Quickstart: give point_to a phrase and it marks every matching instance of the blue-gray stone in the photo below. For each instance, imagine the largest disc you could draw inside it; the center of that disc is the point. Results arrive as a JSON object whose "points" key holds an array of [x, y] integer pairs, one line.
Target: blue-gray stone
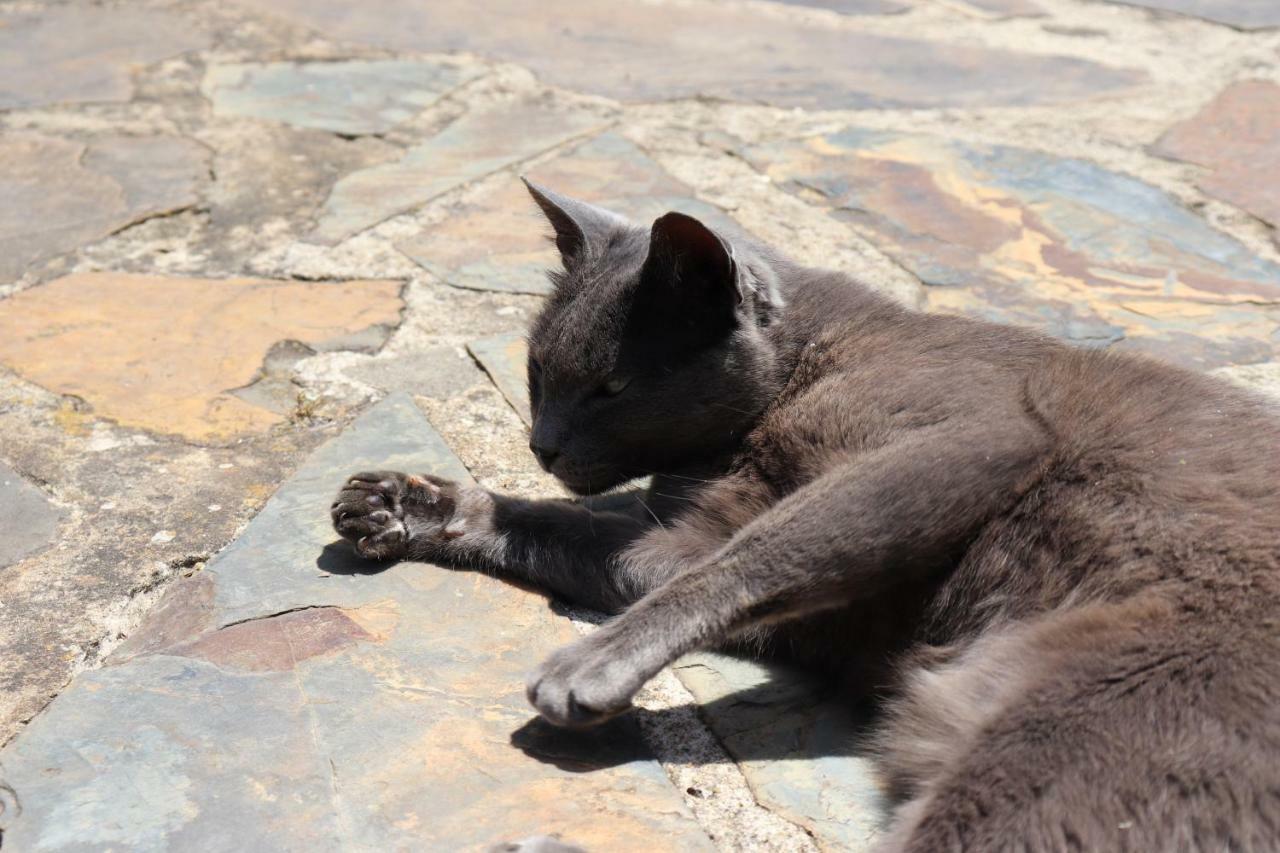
{"points": [[291, 697]]}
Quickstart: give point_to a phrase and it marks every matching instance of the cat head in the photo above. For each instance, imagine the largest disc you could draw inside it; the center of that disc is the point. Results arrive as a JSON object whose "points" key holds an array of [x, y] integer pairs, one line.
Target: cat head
{"points": [[652, 352]]}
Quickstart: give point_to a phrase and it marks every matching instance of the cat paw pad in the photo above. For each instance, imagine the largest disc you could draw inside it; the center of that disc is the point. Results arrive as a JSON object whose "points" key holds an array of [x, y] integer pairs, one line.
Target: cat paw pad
{"points": [[369, 511]]}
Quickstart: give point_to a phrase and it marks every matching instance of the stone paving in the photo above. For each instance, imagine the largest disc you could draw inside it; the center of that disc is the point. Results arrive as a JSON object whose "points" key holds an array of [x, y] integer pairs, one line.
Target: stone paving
{"points": [[248, 246]]}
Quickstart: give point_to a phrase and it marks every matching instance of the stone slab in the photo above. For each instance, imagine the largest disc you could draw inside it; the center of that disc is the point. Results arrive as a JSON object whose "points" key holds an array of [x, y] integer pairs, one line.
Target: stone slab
{"points": [[56, 195], [795, 745], [28, 520], [500, 241], [482, 141], [352, 97], [288, 698], [166, 354], [505, 358], [1015, 235], [80, 53], [1241, 14], [1237, 137], [646, 51]]}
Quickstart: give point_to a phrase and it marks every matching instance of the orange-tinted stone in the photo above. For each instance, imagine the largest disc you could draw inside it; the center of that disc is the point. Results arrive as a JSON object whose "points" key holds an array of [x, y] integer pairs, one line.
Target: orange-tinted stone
{"points": [[163, 354]]}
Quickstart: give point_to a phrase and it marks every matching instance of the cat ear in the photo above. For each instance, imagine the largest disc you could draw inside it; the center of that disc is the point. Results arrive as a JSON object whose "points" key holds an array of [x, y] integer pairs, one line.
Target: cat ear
{"points": [[576, 223], [694, 263]]}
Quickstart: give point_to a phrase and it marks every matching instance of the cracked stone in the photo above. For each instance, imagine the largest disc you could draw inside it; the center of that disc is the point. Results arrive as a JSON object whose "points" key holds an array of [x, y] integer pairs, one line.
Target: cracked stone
{"points": [[1064, 245], [80, 53], [505, 358], [643, 51], [1242, 14], [498, 241], [56, 195], [168, 353], [1237, 138], [480, 142], [330, 704], [28, 520], [352, 97]]}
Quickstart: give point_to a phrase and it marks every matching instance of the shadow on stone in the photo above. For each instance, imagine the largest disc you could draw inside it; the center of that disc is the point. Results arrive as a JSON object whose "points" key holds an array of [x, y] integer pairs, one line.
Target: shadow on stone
{"points": [[610, 744], [338, 558]]}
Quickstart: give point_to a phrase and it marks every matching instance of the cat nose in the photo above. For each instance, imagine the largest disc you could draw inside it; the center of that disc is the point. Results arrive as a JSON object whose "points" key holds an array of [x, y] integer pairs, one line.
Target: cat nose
{"points": [[545, 455]]}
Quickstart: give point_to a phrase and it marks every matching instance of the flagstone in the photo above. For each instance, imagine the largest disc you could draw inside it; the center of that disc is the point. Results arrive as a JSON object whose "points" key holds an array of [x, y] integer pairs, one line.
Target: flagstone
{"points": [[482, 141], [646, 51], [1237, 138], [351, 97], [290, 696], [167, 354], [28, 519], [1242, 14], [796, 746], [80, 53], [499, 240], [505, 358], [853, 7], [56, 194], [1064, 245]]}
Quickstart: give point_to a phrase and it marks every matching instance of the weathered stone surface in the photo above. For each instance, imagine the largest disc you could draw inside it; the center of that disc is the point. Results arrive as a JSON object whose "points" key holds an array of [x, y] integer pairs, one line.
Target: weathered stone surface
{"points": [[28, 520], [499, 240], [1243, 14], [352, 97], [1008, 8], [389, 715], [79, 53], [478, 143], [1237, 136], [1263, 378], [505, 358], [645, 51], [56, 195], [797, 748], [1064, 245], [164, 354], [852, 7]]}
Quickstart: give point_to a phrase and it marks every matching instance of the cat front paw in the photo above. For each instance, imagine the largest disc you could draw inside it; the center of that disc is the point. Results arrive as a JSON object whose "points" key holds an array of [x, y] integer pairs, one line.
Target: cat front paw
{"points": [[369, 512], [585, 683], [381, 512]]}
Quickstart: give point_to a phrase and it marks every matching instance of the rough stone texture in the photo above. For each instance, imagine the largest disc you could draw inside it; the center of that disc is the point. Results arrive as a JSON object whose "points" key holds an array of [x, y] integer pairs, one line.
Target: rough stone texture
{"points": [[1245, 14], [141, 510], [499, 241], [28, 520], [644, 51], [478, 143], [355, 97], [167, 352], [797, 749], [1263, 378], [1237, 137], [1061, 244], [505, 358], [79, 53], [56, 194], [312, 705]]}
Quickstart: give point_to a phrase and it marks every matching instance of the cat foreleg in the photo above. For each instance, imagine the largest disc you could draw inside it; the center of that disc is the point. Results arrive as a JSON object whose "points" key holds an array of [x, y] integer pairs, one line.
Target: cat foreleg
{"points": [[896, 514], [559, 545]]}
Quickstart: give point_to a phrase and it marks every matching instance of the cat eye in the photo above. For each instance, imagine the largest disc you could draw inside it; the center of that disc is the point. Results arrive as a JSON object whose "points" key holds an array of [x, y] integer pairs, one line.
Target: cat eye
{"points": [[615, 386]]}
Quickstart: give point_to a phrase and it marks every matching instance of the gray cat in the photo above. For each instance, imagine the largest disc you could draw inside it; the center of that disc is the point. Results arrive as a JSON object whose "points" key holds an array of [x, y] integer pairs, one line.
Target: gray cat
{"points": [[1059, 568]]}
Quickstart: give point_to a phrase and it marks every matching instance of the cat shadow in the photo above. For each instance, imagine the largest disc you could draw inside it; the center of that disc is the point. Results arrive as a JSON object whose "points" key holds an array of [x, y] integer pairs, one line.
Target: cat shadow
{"points": [[339, 558], [752, 724]]}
